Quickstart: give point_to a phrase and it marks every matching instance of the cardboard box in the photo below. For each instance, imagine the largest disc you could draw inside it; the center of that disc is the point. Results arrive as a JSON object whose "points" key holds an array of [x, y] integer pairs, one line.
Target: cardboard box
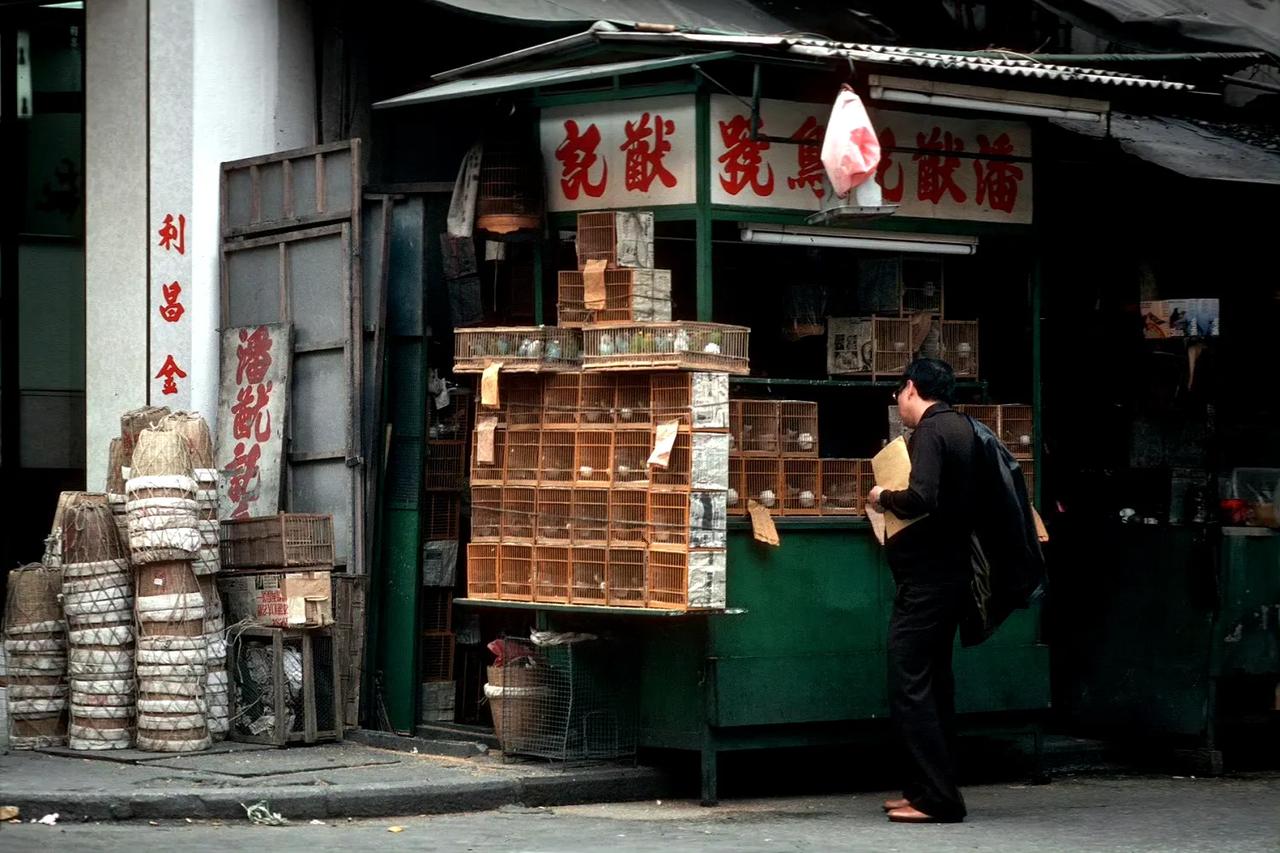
{"points": [[302, 599]]}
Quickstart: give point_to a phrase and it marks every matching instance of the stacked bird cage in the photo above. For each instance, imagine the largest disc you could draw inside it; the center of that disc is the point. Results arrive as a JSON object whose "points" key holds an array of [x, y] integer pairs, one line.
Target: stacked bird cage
{"points": [[173, 648], [578, 513], [615, 280], [35, 651], [98, 600], [775, 448]]}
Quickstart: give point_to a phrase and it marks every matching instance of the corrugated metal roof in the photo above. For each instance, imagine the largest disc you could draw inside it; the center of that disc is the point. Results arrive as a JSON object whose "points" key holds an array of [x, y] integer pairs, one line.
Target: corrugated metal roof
{"points": [[1009, 67], [498, 83], [1026, 67], [1185, 148]]}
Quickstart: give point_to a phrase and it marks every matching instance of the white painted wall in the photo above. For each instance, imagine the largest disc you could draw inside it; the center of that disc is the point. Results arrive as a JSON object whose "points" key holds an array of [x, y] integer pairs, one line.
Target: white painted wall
{"points": [[228, 79], [115, 222]]}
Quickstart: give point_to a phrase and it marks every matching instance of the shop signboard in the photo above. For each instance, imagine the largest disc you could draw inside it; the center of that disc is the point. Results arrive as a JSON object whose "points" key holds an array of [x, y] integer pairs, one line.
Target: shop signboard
{"points": [[641, 153]]}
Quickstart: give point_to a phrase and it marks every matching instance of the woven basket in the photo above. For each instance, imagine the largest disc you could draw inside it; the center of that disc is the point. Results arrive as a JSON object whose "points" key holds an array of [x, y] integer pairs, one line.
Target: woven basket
{"points": [[89, 530]]}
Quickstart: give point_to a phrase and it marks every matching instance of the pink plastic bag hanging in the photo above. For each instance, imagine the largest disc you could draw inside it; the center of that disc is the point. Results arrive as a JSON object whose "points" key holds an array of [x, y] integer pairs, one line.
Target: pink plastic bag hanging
{"points": [[851, 149]]}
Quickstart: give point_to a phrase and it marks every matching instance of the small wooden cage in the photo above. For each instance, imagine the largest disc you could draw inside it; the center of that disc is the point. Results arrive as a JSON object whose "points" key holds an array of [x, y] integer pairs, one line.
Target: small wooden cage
{"points": [[587, 574], [668, 586], [628, 516], [800, 487], [519, 510], [509, 198], [482, 570], [520, 349], [844, 485], [625, 577], [590, 516], [762, 482], [798, 428], [1017, 429], [666, 346], [560, 400], [960, 346], [515, 572], [551, 574], [554, 516], [758, 428]]}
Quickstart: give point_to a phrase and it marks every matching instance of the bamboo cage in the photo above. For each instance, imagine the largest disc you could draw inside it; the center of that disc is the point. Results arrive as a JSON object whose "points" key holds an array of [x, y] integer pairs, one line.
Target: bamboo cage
{"points": [[617, 237], [960, 347], [519, 511], [489, 473], [554, 514], [632, 405], [625, 577], [515, 572], [551, 574], [800, 487], [486, 513], [668, 520], [798, 428], [482, 570], [844, 485], [556, 457], [668, 580], [758, 428], [598, 399], [762, 482], [588, 568], [666, 346], [561, 400], [509, 197], [519, 349], [593, 457], [590, 516], [1017, 429], [631, 448], [523, 457], [628, 516]]}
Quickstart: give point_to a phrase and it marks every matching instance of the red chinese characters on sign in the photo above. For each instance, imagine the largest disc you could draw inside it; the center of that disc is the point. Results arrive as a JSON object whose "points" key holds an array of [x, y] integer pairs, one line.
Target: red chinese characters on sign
{"points": [[250, 419], [998, 180], [937, 172], [172, 310], [644, 154], [808, 157], [577, 156], [173, 236], [243, 482], [742, 158], [892, 193], [170, 373]]}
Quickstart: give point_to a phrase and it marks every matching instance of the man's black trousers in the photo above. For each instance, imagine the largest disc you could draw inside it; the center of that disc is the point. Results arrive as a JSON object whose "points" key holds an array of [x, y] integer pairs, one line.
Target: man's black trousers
{"points": [[922, 691]]}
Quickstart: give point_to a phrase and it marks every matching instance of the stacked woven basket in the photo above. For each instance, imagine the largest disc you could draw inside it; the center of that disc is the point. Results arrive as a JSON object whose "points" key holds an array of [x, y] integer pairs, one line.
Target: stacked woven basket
{"points": [[35, 648], [207, 564], [97, 599], [165, 537]]}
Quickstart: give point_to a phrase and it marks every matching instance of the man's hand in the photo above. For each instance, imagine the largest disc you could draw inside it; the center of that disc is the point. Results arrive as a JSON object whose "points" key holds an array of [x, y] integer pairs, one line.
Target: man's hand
{"points": [[873, 497]]}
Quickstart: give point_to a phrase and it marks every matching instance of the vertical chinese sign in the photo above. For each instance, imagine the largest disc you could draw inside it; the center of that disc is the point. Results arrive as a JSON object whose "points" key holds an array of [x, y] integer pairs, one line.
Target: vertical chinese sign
{"points": [[932, 167], [171, 226], [636, 153], [252, 401]]}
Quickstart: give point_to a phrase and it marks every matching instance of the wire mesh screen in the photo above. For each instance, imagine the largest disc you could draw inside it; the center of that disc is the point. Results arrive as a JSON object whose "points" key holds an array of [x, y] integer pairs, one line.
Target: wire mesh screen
{"points": [[577, 703], [325, 682]]}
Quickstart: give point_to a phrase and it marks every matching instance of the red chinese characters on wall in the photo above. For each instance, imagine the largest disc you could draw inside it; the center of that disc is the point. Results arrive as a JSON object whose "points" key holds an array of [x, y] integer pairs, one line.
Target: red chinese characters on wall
{"points": [[998, 180], [171, 310], [646, 146], [173, 234], [809, 172], [577, 156], [941, 176], [743, 157], [251, 422], [170, 373]]}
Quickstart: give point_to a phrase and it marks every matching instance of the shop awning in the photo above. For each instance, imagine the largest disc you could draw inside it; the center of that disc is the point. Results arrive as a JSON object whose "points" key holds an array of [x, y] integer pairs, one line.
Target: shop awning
{"points": [[1186, 148], [738, 16], [517, 81]]}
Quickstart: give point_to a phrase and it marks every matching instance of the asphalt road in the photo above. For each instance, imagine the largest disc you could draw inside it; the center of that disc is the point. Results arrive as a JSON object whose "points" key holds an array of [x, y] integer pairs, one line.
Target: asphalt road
{"points": [[1166, 814]]}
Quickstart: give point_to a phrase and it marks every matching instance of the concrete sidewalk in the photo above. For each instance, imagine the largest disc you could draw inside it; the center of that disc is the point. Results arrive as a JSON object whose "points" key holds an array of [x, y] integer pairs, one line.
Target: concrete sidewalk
{"points": [[302, 782]]}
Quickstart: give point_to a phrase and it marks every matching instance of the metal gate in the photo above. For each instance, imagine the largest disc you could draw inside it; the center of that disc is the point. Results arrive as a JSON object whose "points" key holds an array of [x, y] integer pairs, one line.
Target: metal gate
{"points": [[290, 231]]}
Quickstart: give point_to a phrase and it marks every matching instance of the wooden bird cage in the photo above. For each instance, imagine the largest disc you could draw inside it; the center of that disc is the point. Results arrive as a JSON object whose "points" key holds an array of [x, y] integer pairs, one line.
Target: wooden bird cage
{"points": [[587, 574], [843, 485], [1017, 429], [798, 428], [445, 465], [482, 570], [800, 487], [987, 415], [631, 449], [625, 577], [519, 349], [736, 498], [486, 513], [619, 238], [519, 509], [632, 406], [440, 515], [554, 514], [593, 457], [762, 482], [758, 428], [668, 520], [668, 586], [491, 472], [597, 399], [590, 516], [960, 347], [523, 455], [556, 457], [666, 346], [628, 515], [515, 572], [509, 198], [560, 400], [551, 574]]}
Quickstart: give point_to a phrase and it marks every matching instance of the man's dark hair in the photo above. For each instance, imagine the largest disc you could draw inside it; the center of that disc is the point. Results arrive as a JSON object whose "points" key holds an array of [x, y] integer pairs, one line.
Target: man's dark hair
{"points": [[933, 378]]}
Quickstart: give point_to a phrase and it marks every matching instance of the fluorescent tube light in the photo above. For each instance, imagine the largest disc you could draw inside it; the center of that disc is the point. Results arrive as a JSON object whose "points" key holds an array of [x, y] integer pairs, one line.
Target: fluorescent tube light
{"points": [[870, 241], [879, 93]]}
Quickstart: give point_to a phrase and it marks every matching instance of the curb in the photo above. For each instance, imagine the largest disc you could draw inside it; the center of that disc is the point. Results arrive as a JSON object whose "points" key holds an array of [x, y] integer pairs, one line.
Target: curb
{"points": [[423, 746], [594, 785]]}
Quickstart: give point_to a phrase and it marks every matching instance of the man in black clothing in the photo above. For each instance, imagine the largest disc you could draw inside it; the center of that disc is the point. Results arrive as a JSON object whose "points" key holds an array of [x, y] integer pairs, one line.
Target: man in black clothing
{"points": [[931, 567]]}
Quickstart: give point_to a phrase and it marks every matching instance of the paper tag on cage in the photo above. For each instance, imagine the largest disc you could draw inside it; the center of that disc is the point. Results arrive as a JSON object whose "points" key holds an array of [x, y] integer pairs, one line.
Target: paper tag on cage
{"points": [[484, 440], [664, 440], [489, 385], [593, 284], [762, 526]]}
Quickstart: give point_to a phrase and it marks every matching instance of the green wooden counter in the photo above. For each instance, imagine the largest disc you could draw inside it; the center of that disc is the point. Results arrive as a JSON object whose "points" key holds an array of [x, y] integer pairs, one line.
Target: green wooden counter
{"points": [[800, 652]]}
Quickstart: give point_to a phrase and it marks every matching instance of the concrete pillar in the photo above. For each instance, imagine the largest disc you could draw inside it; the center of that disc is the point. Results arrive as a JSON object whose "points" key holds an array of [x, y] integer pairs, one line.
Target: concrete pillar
{"points": [[174, 89]]}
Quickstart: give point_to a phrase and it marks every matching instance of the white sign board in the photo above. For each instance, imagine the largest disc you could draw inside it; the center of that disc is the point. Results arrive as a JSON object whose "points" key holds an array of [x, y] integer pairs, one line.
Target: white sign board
{"points": [[641, 153], [252, 402], [637, 153], [934, 178]]}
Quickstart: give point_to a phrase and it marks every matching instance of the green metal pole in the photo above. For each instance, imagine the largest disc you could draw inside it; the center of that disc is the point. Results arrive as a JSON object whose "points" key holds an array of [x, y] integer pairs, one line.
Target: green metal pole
{"points": [[1037, 371], [703, 235]]}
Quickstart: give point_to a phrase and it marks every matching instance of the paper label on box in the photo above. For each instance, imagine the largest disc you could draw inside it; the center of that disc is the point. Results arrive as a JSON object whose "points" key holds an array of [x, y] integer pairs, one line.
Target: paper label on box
{"points": [[593, 284], [634, 238], [484, 440], [762, 526], [710, 460], [708, 519], [489, 385], [664, 440]]}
